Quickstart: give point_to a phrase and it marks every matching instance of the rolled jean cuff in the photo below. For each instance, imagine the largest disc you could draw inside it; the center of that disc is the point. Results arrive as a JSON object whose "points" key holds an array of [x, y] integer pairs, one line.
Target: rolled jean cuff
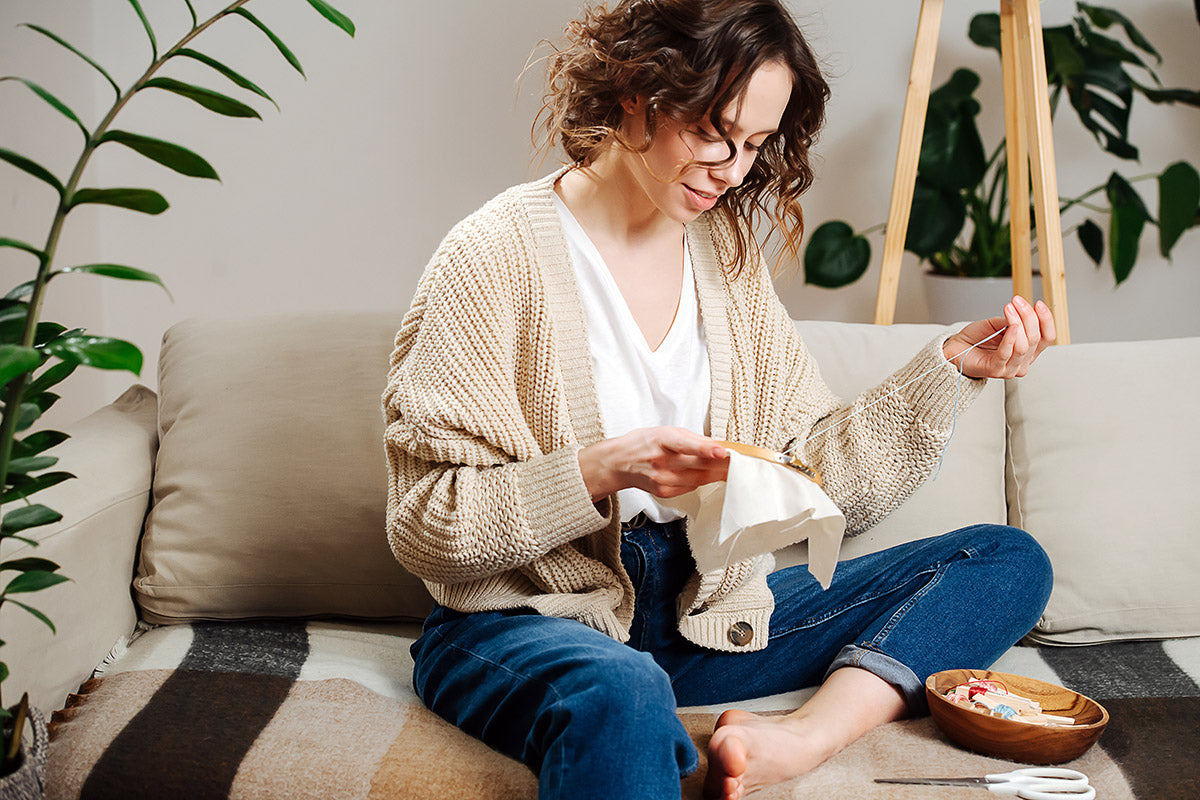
{"points": [[887, 668]]}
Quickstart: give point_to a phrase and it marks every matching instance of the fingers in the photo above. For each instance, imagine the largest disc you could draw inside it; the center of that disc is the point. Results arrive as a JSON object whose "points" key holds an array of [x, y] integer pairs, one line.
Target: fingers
{"points": [[1046, 316], [664, 461], [687, 443]]}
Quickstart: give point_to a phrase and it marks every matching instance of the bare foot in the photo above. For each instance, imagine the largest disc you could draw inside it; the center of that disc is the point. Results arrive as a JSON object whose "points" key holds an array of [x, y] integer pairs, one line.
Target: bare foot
{"points": [[749, 752]]}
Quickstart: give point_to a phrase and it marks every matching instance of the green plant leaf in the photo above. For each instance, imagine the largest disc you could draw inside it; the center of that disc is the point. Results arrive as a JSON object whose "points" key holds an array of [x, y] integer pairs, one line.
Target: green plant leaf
{"points": [[34, 581], [333, 15], [4, 676], [59, 40], [146, 201], [149, 30], [19, 245], [937, 217], [24, 486], [1064, 59], [213, 101], [192, 11], [13, 311], [1107, 47], [38, 442], [172, 156], [1092, 96], [33, 168], [101, 352], [835, 256], [984, 30], [45, 400], [952, 153], [118, 271], [21, 289], [283, 48], [16, 360], [1092, 240], [31, 464], [27, 564], [51, 377], [26, 416], [11, 330], [35, 612], [1105, 17], [47, 331], [1187, 96], [1129, 218], [57, 104], [1178, 203], [227, 72]]}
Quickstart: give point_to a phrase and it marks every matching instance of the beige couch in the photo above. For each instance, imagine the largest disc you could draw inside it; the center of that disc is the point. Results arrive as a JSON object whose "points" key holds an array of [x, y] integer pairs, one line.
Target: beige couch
{"points": [[260, 462]]}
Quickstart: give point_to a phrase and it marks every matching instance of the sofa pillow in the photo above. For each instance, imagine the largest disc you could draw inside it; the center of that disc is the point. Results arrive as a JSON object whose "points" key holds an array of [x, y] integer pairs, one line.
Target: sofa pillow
{"points": [[111, 453], [1102, 441], [969, 489], [271, 479]]}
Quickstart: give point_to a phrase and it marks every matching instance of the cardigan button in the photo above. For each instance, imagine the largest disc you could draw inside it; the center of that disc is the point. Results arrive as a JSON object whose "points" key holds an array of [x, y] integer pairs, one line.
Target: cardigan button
{"points": [[740, 633]]}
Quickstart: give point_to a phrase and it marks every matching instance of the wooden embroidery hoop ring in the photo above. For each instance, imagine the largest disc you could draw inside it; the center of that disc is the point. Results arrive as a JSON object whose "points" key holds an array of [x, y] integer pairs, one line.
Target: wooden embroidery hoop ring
{"points": [[776, 458]]}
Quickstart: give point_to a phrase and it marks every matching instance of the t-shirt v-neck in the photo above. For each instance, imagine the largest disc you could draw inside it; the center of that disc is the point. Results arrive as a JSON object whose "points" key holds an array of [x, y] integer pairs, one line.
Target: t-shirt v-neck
{"points": [[638, 387]]}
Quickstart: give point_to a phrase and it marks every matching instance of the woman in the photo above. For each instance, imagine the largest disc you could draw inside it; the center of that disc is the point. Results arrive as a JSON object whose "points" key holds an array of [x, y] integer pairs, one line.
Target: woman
{"points": [[574, 351]]}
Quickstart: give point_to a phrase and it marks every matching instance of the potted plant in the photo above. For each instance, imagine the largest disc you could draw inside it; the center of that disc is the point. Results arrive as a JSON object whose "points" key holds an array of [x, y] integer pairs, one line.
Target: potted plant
{"points": [[37, 355], [960, 211]]}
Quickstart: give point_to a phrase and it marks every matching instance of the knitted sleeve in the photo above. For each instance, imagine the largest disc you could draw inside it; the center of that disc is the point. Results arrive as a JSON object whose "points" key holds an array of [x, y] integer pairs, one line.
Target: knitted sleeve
{"points": [[483, 475], [876, 451]]}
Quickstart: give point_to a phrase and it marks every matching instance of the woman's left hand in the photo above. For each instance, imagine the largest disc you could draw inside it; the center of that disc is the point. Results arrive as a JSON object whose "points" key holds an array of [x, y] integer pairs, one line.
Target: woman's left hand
{"points": [[1030, 331]]}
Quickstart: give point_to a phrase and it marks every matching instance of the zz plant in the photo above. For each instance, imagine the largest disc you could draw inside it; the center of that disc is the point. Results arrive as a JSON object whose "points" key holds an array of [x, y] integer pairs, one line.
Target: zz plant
{"points": [[960, 210], [37, 355]]}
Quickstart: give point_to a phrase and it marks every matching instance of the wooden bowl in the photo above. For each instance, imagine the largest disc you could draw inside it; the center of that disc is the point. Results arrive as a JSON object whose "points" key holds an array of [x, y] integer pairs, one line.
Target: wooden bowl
{"points": [[1010, 739]]}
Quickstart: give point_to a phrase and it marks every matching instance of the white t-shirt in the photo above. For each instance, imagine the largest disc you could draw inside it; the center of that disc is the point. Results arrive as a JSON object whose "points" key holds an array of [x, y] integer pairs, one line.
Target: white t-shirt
{"points": [[639, 387]]}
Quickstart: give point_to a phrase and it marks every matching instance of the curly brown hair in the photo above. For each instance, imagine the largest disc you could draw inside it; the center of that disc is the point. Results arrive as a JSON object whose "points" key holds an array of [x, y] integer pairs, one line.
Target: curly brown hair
{"points": [[690, 59]]}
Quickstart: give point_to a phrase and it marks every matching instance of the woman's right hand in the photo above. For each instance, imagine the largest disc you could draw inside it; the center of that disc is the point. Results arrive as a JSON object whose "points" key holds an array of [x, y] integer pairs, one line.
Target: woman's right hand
{"points": [[666, 462]]}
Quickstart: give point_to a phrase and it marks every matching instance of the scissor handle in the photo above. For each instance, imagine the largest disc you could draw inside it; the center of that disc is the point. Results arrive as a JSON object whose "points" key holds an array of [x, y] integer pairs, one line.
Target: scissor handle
{"points": [[1040, 775], [1042, 783]]}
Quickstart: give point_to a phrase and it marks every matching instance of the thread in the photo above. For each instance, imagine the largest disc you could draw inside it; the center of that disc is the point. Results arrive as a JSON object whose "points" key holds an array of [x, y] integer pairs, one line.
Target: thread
{"points": [[954, 418]]}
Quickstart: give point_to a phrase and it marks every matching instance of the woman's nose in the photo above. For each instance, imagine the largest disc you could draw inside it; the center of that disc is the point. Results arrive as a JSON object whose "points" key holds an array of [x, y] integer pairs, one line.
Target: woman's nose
{"points": [[733, 171]]}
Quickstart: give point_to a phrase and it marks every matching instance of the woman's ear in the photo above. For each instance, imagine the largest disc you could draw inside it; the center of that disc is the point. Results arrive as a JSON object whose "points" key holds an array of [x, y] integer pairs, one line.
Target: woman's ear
{"points": [[634, 107]]}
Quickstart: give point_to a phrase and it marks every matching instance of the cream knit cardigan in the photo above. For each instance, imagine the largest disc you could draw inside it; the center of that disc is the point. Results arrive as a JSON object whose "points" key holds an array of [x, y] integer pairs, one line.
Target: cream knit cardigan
{"points": [[490, 396]]}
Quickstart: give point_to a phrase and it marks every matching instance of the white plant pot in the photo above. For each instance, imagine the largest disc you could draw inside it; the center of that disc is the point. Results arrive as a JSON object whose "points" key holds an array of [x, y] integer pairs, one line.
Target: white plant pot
{"points": [[951, 299]]}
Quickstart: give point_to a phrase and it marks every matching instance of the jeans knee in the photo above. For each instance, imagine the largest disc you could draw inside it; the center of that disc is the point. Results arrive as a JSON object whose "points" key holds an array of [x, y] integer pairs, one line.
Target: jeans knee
{"points": [[626, 702], [1026, 563], [628, 689]]}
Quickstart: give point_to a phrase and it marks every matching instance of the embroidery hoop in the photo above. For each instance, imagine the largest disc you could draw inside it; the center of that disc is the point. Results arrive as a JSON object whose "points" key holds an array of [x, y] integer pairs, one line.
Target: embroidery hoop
{"points": [[774, 457]]}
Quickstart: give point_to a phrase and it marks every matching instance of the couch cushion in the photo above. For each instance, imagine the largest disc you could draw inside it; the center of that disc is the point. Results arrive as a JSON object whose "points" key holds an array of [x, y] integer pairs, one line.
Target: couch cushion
{"points": [[271, 480], [111, 452], [969, 488], [270, 487], [1102, 445]]}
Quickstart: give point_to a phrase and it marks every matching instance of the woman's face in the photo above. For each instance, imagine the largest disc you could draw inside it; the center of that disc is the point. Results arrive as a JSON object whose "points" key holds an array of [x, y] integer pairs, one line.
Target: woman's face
{"points": [[683, 196]]}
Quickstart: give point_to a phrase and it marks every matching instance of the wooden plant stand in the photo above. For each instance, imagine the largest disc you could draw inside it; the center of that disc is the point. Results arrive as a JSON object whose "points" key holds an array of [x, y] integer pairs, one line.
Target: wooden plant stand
{"points": [[1030, 151]]}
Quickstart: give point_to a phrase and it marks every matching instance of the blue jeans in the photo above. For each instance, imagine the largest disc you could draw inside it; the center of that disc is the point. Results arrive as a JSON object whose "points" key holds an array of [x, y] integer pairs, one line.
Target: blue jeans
{"points": [[596, 718]]}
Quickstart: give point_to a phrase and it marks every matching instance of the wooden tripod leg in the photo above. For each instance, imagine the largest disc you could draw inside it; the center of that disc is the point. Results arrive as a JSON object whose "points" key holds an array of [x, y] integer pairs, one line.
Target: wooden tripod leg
{"points": [[912, 126], [1036, 104], [1018, 155]]}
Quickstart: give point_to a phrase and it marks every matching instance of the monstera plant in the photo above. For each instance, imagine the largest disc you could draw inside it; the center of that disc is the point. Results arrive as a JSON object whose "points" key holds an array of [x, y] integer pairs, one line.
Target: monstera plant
{"points": [[960, 211], [37, 355]]}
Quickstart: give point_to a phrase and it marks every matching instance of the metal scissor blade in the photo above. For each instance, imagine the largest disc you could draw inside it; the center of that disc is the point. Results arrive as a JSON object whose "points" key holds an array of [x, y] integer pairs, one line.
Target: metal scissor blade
{"points": [[936, 781]]}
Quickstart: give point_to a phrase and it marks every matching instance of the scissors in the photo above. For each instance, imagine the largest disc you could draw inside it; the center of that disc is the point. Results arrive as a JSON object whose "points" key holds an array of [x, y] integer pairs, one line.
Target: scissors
{"points": [[1047, 783]]}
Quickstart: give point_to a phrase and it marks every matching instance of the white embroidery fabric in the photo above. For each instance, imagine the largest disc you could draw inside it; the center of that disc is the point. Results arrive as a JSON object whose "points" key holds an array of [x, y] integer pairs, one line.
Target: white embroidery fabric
{"points": [[761, 507]]}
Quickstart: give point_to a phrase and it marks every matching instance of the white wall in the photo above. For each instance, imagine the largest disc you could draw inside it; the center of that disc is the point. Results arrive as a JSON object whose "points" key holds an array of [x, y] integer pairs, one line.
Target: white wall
{"points": [[337, 200]]}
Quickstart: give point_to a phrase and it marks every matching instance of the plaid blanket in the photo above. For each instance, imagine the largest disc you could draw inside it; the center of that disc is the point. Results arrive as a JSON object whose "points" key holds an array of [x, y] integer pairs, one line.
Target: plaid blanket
{"points": [[321, 710]]}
